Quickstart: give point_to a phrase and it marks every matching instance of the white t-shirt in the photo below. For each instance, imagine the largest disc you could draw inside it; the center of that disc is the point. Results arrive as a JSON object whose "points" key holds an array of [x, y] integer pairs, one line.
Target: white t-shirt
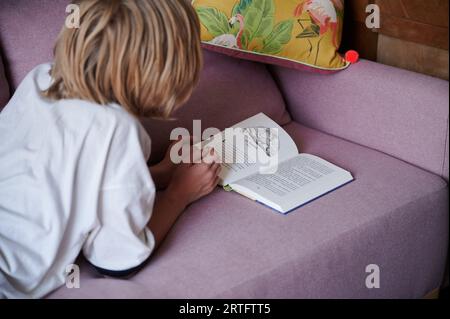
{"points": [[73, 177]]}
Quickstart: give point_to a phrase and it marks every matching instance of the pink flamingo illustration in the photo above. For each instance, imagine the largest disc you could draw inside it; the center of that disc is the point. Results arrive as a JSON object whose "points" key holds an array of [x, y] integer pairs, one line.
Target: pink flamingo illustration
{"points": [[229, 40], [323, 13]]}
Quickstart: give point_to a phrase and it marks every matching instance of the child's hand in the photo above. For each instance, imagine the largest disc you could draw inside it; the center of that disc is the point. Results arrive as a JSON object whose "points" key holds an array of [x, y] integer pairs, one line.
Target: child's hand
{"points": [[167, 161], [191, 182], [163, 171]]}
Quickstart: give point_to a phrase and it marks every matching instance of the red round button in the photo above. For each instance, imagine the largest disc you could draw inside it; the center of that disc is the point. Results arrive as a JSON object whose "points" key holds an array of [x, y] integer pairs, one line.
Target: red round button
{"points": [[352, 56]]}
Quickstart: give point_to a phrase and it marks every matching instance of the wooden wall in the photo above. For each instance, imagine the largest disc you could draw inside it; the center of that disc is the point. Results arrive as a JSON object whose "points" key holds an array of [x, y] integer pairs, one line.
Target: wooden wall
{"points": [[413, 34]]}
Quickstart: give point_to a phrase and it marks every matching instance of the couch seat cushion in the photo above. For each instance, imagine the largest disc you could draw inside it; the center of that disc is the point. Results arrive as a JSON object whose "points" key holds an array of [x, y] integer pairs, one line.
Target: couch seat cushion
{"points": [[393, 215]]}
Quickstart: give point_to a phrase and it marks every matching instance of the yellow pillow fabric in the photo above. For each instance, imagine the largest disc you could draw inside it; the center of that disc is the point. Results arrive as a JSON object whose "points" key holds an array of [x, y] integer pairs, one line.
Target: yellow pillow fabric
{"points": [[294, 33]]}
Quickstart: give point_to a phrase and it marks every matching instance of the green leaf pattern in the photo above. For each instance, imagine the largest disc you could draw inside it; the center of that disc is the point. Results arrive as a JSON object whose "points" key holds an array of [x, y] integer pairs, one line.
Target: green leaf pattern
{"points": [[241, 7], [214, 20], [259, 17], [279, 37]]}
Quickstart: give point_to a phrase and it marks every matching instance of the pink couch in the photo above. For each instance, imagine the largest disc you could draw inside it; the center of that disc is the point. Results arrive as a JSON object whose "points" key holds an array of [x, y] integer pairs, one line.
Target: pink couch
{"points": [[387, 126]]}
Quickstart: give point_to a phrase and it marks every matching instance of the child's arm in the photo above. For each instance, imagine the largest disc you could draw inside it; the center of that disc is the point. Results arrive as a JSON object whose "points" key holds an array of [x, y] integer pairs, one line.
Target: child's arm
{"points": [[163, 171], [189, 183], [162, 174]]}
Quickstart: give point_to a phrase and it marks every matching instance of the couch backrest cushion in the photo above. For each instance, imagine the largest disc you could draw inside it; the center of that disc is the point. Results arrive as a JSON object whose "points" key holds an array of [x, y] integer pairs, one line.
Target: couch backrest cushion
{"points": [[229, 91], [400, 113], [4, 87], [28, 30]]}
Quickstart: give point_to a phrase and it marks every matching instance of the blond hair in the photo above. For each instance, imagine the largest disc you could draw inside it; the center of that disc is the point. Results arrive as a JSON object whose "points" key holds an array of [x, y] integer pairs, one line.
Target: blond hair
{"points": [[141, 54]]}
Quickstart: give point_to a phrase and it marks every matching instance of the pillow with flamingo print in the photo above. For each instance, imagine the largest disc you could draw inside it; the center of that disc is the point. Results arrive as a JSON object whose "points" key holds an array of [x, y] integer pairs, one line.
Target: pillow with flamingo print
{"points": [[301, 34]]}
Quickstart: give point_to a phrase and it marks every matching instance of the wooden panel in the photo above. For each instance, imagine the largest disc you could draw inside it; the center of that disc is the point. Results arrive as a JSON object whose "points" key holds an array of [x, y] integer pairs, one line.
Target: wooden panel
{"points": [[392, 7], [424, 22], [360, 38], [356, 9], [356, 35], [413, 56], [413, 34], [415, 31], [434, 12]]}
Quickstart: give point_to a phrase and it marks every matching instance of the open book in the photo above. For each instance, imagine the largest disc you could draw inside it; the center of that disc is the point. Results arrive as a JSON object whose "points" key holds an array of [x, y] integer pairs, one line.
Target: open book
{"points": [[297, 178]]}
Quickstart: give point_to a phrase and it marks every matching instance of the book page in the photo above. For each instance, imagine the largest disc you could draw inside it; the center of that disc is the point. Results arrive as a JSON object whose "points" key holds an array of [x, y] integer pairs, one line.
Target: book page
{"points": [[297, 181], [239, 160]]}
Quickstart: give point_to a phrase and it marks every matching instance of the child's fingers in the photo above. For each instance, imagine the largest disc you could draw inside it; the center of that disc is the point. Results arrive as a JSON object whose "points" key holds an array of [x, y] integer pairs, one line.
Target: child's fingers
{"points": [[218, 168], [211, 186], [210, 156], [214, 169], [209, 173], [206, 153], [215, 182]]}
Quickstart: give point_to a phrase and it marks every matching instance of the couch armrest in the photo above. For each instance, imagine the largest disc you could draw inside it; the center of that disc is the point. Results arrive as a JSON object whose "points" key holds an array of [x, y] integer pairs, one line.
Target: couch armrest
{"points": [[401, 113]]}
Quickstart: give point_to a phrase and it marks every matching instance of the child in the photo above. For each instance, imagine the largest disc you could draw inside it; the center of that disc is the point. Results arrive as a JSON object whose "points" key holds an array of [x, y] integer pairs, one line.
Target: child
{"points": [[73, 172]]}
